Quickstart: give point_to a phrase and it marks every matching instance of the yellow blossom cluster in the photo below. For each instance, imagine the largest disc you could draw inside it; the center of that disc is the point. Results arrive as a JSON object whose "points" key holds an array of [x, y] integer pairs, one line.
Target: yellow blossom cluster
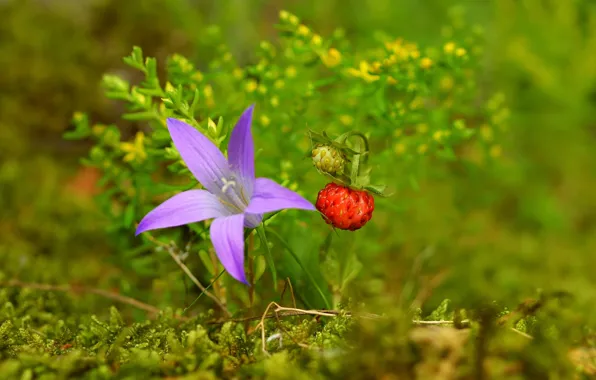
{"points": [[134, 151]]}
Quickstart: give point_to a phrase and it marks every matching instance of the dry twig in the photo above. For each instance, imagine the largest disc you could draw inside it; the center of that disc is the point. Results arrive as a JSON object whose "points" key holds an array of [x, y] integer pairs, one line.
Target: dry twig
{"points": [[169, 248], [286, 311]]}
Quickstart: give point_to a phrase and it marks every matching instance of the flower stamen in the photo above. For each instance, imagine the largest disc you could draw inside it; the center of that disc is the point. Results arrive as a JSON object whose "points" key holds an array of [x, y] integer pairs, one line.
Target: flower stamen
{"points": [[227, 184]]}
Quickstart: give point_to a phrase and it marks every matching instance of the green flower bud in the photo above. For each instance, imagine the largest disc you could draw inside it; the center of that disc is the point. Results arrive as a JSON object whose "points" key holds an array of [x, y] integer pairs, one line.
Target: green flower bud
{"points": [[96, 154], [328, 159]]}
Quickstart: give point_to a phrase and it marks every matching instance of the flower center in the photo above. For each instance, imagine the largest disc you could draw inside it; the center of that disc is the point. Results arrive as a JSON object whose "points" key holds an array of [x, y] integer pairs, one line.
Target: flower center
{"points": [[227, 184], [232, 195]]}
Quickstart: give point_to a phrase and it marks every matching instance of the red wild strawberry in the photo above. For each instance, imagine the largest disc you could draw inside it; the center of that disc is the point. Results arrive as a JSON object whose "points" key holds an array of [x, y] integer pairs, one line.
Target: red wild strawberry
{"points": [[345, 208]]}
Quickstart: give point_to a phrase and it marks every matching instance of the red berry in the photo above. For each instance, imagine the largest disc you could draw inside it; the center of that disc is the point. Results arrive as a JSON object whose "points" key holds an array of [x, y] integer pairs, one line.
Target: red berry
{"points": [[345, 208]]}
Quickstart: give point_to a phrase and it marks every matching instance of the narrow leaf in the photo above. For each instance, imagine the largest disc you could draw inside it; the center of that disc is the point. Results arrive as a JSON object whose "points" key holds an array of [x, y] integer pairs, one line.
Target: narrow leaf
{"points": [[268, 256], [144, 115], [203, 292], [308, 274]]}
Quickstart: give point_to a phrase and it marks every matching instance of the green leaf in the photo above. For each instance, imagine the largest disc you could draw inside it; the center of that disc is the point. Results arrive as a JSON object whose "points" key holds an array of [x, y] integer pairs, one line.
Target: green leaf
{"points": [[260, 266], [203, 292], [414, 183], [153, 92], [135, 59], [129, 215], [82, 130], [143, 115], [308, 274], [194, 104], [269, 217], [351, 267], [268, 256], [378, 190], [162, 135]]}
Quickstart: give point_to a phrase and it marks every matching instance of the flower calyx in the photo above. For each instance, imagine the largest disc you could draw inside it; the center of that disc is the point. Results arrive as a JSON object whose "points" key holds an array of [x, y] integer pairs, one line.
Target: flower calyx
{"points": [[344, 162]]}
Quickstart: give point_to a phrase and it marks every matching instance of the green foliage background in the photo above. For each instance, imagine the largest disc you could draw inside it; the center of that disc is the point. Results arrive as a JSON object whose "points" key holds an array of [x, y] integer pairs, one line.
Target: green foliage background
{"points": [[488, 235]]}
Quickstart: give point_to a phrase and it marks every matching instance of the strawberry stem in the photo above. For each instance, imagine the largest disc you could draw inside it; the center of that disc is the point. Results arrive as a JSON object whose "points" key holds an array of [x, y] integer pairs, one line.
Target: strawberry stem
{"points": [[359, 159]]}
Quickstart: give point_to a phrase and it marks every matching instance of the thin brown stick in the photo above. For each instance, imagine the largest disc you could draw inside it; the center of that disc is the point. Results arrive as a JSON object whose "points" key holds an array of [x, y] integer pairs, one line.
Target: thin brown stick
{"points": [[83, 289], [284, 311], [169, 248]]}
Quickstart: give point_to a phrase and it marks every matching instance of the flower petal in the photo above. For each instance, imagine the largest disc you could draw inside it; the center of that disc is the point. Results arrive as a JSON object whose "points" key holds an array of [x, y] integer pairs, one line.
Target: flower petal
{"points": [[187, 207], [241, 151], [203, 158], [270, 196], [252, 220], [227, 236]]}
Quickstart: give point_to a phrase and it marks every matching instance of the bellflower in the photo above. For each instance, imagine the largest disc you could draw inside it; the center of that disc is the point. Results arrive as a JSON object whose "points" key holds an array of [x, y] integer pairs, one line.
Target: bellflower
{"points": [[234, 198]]}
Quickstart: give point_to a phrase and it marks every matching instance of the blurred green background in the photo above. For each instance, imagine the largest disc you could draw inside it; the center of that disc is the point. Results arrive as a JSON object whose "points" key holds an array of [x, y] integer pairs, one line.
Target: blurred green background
{"points": [[528, 223]]}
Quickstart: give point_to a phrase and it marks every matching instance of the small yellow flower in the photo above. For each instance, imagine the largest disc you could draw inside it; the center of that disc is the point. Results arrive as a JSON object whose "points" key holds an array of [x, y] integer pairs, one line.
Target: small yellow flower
{"points": [[390, 61], [274, 101], [316, 40], [417, 103], [293, 19], [346, 119], [265, 121], [426, 63], [422, 128], [332, 58], [438, 136], [98, 129], [78, 117], [303, 30], [135, 151], [138, 97], [279, 84], [363, 72], [391, 80], [449, 47], [399, 148], [446, 83], [197, 76], [251, 85], [262, 89], [238, 73], [422, 148], [208, 91], [291, 72], [460, 52], [486, 132], [284, 15], [495, 151]]}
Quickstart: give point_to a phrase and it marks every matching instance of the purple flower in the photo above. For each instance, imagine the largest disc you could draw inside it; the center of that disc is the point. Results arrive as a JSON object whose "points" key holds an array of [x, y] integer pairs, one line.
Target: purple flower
{"points": [[233, 196]]}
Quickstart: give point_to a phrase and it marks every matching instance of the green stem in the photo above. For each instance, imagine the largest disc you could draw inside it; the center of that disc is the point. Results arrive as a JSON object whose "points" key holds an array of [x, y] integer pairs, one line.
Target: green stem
{"points": [[359, 159]]}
